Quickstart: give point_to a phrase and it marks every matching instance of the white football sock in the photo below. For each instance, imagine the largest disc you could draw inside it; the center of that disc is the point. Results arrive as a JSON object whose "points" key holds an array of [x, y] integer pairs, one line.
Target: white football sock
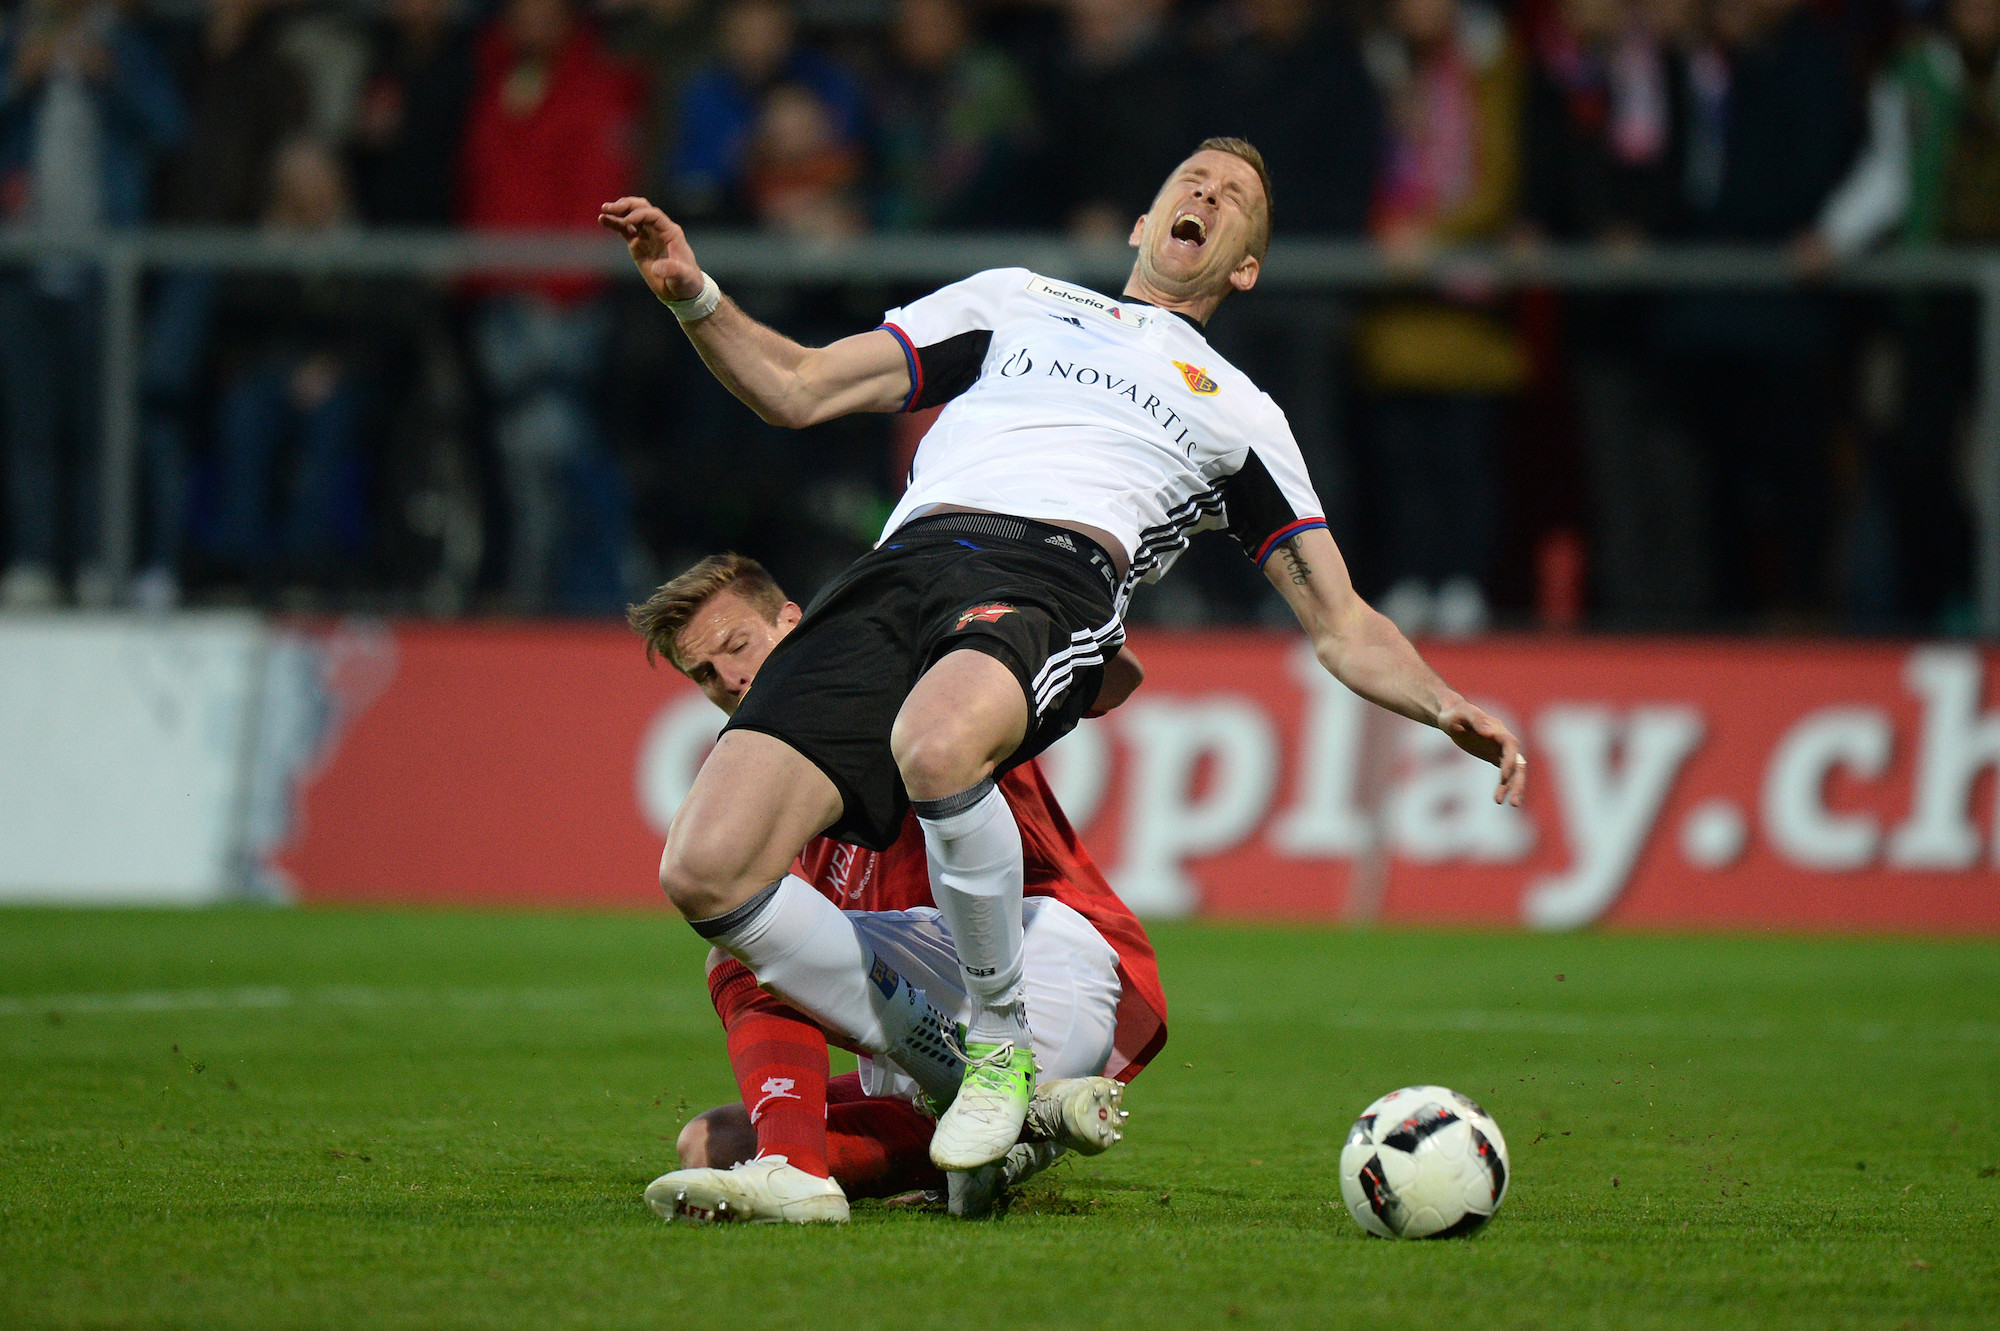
{"points": [[802, 948], [974, 847]]}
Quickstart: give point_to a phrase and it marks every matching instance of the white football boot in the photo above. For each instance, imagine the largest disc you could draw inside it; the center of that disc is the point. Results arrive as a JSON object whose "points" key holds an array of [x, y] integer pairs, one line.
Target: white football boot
{"points": [[985, 1117], [1082, 1113], [765, 1191], [972, 1194]]}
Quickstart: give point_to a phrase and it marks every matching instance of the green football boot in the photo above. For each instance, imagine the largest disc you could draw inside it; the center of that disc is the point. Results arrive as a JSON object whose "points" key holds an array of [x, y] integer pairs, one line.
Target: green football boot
{"points": [[992, 1102]]}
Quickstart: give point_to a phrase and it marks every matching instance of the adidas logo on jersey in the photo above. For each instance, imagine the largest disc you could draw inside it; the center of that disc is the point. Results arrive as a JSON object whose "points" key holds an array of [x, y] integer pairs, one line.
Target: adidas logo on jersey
{"points": [[1084, 299], [1197, 379]]}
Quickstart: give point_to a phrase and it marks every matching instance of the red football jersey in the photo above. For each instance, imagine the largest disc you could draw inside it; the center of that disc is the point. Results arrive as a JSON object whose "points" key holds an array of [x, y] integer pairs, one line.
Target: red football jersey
{"points": [[1056, 865]]}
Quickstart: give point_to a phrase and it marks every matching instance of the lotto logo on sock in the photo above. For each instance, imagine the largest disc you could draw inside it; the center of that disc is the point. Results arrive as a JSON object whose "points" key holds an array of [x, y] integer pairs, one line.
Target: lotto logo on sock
{"points": [[774, 1088], [884, 978], [987, 614]]}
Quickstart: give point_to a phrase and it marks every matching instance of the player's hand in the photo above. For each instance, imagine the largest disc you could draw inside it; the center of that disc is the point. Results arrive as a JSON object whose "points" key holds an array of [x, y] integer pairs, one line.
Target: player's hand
{"points": [[659, 247], [1122, 676], [1483, 735]]}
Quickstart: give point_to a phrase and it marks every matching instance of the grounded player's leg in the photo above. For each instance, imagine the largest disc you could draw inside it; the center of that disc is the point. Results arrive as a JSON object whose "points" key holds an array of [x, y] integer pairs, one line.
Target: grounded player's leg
{"points": [[1073, 992], [763, 1160], [804, 949], [876, 1146], [765, 1191], [1071, 981], [780, 1062], [879, 1148], [963, 718]]}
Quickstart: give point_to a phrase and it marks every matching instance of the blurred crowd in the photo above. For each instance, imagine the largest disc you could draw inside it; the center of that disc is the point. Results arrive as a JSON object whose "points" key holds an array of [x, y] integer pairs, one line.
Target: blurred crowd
{"points": [[1694, 459]]}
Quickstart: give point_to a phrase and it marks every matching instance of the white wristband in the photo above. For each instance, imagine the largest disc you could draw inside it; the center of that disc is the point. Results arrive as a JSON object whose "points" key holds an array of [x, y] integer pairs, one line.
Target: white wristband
{"points": [[697, 307]]}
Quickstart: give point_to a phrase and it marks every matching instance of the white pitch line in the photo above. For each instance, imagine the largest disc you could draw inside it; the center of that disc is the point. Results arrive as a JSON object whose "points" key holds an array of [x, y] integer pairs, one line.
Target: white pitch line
{"points": [[1470, 1021], [145, 1000]]}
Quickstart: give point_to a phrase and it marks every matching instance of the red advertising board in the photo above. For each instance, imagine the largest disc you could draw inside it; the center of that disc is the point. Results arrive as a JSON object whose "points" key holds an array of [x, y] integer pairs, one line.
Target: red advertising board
{"points": [[1675, 783]]}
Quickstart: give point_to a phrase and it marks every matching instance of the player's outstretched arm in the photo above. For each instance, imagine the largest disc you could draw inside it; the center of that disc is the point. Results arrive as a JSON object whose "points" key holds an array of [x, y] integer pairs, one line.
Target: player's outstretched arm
{"points": [[1363, 650], [783, 382]]}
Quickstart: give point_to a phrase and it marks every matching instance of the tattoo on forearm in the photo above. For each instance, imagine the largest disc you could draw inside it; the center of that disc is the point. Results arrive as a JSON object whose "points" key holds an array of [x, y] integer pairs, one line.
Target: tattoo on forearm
{"points": [[1295, 563]]}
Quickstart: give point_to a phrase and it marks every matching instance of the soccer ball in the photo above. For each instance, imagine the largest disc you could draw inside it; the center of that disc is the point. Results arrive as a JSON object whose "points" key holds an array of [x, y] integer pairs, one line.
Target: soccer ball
{"points": [[1423, 1163]]}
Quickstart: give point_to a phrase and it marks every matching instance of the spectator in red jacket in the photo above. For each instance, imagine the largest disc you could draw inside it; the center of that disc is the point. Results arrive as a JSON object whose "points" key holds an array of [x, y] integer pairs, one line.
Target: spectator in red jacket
{"points": [[550, 135]]}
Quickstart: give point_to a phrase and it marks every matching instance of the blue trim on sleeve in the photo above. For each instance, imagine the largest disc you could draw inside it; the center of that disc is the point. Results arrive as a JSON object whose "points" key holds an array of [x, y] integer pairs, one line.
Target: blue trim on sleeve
{"points": [[916, 366], [1283, 534]]}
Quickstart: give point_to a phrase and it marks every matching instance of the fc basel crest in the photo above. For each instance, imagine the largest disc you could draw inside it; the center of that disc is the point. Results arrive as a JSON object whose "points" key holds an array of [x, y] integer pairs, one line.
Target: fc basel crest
{"points": [[986, 613], [1197, 379]]}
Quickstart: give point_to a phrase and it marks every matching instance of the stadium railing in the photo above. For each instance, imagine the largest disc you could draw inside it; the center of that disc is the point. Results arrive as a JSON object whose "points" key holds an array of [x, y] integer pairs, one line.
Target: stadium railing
{"points": [[124, 259]]}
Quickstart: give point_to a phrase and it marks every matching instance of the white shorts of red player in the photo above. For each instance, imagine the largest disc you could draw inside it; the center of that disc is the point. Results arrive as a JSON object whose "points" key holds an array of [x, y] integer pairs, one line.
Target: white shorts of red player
{"points": [[1070, 973]]}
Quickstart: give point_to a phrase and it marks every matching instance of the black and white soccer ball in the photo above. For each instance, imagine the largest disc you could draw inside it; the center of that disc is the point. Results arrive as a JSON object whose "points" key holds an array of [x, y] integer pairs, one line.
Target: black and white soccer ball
{"points": [[1423, 1163]]}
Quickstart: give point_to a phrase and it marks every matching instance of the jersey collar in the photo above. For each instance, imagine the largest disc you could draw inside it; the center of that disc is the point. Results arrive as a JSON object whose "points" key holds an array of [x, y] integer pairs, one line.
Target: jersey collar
{"points": [[1187, 319]]}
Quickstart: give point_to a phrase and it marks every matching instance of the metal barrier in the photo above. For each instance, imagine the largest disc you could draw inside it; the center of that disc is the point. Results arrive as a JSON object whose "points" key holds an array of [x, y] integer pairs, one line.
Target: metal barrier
{"points": [[124, 258]]}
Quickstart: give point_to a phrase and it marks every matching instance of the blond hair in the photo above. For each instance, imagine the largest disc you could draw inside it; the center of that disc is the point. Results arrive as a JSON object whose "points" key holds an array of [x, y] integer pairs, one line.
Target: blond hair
{"points": [[1260, 239], [665, 614]]}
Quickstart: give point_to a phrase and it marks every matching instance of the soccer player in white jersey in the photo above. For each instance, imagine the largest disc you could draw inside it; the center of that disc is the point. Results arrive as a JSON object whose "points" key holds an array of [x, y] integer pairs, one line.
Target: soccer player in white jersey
{"points": [[1084, 438]]}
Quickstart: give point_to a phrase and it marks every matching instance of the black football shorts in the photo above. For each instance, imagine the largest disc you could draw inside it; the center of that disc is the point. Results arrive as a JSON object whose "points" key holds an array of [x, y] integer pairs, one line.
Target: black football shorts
{"points": [[1038, 599]]}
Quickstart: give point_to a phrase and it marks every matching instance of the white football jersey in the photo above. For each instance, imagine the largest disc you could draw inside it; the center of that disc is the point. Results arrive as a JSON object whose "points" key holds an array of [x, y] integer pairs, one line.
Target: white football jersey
{"points": [[1065, 405]]}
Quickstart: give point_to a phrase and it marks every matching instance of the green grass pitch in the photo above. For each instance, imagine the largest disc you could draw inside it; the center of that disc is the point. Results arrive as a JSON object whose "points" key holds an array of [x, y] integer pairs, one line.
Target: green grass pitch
{"points": [[312, 1118]]}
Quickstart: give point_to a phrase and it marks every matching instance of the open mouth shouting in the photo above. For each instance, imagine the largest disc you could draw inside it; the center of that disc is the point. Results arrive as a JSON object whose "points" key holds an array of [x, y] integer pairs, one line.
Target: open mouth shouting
{"points": [[1189, 229], [1203, 237]]}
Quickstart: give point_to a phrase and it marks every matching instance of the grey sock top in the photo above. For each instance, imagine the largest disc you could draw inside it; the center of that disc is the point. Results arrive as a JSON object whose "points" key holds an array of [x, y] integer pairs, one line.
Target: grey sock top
{"points": [[951, 804], [717, 925]]}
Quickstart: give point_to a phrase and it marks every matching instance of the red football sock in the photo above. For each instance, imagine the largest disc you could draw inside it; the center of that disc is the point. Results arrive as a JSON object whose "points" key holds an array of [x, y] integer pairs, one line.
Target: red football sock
{"points": [[780, 1061], [879, 1148]]}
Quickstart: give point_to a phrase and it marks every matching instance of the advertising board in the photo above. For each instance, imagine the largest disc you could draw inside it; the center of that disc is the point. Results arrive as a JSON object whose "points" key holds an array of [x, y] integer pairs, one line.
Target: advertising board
{"points": [[1676, 783], [124, 749]]}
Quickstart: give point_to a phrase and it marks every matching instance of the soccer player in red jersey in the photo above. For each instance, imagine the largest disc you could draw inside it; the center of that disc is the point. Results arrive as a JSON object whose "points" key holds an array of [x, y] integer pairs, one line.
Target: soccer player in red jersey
{"points": [[802, 1144]]}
